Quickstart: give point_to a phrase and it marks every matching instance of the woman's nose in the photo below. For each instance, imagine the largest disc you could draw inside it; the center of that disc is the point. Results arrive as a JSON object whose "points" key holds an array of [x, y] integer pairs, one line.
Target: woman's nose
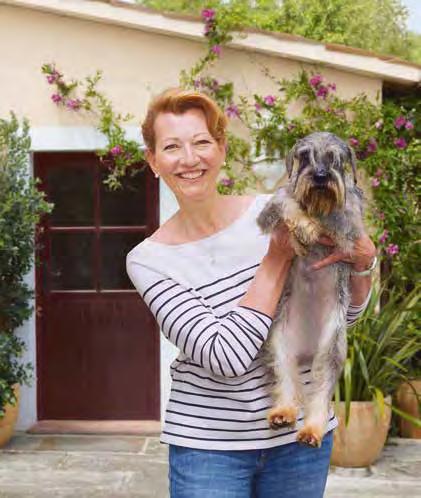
{"points": [[189, 156]]}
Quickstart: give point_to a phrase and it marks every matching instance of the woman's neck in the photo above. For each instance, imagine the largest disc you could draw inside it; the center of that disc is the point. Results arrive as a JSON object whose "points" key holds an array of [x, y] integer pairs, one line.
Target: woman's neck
{"points": [[204, 218]]}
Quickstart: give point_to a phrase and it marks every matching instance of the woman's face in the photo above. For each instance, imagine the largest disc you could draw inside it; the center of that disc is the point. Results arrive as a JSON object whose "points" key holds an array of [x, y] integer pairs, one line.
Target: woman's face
{"points": [[186, 155]]}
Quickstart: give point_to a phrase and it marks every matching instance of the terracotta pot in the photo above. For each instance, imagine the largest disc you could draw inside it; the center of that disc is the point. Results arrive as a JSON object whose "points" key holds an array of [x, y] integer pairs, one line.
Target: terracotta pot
{"points": [[406, 400], [361, 442], [7, 423]]}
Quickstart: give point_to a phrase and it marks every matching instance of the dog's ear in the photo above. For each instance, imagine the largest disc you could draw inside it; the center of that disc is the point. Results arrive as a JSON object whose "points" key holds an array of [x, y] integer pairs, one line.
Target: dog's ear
{"points": [[353, 161], [289, 161]]}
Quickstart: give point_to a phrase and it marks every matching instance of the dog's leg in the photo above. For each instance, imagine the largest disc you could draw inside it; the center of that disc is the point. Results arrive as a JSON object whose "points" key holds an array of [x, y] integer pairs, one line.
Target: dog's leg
{"points": [[327, 365], [304, 230], [286, 392]]}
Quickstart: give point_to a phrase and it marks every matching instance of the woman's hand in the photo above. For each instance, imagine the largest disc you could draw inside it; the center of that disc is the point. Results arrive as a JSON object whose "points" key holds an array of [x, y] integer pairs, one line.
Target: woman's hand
{"points": [[361, 256], [280, 244]]}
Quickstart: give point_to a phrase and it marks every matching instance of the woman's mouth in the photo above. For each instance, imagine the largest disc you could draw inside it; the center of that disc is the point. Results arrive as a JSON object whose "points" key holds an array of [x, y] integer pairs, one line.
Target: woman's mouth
{"points": [[191, 175]]}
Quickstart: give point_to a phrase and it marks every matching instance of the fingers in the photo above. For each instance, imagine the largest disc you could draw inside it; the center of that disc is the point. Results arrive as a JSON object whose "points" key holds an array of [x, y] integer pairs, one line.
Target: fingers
{"points": [[332, 258], [326, 241]]}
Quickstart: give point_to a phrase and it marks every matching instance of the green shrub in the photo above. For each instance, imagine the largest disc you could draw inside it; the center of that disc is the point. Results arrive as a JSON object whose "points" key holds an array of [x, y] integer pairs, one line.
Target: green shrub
{"points": [[21, 205]]}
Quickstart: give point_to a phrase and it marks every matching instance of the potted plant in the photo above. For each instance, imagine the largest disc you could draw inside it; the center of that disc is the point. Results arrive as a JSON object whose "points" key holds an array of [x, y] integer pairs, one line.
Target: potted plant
{"points": [[408, 399], [21, 205], [380, 347]]}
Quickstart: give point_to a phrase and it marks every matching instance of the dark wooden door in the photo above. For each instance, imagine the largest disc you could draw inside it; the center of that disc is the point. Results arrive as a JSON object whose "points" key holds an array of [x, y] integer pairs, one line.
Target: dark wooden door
{"points": [[97, 343]]}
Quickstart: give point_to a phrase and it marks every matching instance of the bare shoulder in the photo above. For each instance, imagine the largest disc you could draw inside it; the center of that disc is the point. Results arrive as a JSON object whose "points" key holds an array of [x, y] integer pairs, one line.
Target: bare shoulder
{"points": [[233, 206], [166, 233]]}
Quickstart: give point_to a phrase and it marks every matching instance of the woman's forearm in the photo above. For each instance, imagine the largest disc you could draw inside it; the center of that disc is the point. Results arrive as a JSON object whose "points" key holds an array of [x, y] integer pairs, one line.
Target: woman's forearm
{"points": [[266, 288], [360, 287]]}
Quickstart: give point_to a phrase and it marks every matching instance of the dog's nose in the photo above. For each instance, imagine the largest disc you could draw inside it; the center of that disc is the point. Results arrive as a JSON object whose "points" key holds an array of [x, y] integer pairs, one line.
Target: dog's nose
{"points": [[320, 176]]}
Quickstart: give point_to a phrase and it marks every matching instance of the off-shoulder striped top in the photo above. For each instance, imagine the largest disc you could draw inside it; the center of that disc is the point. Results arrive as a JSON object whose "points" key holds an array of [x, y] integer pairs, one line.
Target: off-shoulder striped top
{"points": [[220, 384]]}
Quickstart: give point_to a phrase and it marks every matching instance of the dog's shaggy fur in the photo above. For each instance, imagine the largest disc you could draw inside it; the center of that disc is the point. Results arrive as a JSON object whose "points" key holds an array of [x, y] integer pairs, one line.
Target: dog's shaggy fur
{"points": [[310, 326]]}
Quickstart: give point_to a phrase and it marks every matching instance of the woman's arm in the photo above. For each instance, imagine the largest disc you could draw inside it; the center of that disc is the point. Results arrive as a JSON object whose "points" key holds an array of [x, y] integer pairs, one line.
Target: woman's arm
{"points": [[361, 258], [226, 345]]}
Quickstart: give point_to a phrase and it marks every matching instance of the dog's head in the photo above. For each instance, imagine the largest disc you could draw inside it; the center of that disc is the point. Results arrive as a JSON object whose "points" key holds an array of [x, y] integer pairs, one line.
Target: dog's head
{"points": [[316, 167]]}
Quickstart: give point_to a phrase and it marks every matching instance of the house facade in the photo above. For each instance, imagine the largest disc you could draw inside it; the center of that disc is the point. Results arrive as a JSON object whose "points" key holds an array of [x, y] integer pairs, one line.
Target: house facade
{"points": [[99, 360]]}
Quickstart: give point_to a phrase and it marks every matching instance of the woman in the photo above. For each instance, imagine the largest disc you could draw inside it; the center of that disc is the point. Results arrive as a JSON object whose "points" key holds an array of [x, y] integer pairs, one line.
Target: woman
{"points": [[213, 282]]}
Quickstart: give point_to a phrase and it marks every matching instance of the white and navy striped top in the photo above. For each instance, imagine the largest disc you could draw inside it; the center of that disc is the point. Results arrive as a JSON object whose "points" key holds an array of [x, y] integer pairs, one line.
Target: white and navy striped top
{"points": [[220, 386]]}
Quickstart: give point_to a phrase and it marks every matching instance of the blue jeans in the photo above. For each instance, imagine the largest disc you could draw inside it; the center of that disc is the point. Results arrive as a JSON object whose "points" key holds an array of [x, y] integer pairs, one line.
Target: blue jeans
{"points": [[288, 471]]}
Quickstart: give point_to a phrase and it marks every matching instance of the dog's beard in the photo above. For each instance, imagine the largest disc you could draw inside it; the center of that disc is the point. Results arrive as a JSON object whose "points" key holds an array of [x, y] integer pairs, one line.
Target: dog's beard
{"points": [[320, 200]]}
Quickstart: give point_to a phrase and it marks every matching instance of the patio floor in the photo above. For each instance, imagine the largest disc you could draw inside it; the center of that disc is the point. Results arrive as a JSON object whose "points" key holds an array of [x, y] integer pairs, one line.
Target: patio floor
{"points": [[35, 466]]}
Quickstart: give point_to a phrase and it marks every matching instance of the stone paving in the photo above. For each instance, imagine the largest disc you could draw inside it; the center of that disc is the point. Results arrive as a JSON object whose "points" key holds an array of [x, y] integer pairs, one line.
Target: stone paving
{"points": [[85, 466]]}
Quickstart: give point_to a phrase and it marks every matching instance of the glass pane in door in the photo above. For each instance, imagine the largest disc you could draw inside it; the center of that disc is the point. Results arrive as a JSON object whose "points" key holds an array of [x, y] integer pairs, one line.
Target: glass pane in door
{"points": [[71, 265], [127, 205], [114, 247], [71, 189]]}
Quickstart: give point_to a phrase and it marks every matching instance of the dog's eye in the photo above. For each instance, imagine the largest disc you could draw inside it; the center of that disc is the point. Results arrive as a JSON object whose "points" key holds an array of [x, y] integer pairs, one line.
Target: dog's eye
{"points": [[329, 158], [304, 157]]}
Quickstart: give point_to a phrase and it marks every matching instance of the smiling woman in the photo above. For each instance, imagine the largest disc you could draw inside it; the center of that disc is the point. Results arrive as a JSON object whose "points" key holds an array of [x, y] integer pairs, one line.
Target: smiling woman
{"points": [[213, 283], [185, 136]]}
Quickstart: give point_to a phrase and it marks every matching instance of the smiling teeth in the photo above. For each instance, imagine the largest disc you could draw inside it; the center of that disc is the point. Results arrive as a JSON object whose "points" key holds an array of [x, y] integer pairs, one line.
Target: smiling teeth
{"points": [[192, 175]]}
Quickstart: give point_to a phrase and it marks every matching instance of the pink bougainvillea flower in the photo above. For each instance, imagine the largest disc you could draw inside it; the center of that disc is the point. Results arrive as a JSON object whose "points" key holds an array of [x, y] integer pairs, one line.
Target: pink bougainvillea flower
{"points": [[227, 182], [372, 146], [316, 80], [257, 106], [392, 249], [384, 236], [74, 104], [375, 182], [322, 92], [399, 122], [232, 111], [378, 173], [208, 14], [400, 143], [216, 49], [215, 84], [269, 100], [51, 78], [116, 150], [332, 86], [381, 216], [409, 125], [56, 98], [378, 124], [353, 142]]}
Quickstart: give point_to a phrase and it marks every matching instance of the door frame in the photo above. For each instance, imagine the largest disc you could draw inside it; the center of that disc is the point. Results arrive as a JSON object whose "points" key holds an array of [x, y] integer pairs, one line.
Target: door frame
{"points": [[82, 138]]}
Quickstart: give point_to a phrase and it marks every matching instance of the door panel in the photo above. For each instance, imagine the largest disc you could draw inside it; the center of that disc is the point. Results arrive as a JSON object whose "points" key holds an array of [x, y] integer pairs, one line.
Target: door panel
{"points": [[97, 343]]}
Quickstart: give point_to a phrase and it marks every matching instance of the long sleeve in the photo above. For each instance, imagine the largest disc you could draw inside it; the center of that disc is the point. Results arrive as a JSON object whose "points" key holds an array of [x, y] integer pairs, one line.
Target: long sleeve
{"points": [[224, 346], [354, 312]]}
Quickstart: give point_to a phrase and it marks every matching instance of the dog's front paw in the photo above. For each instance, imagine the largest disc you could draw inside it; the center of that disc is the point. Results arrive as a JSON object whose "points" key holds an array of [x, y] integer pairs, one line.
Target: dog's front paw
{"points": [[299, 248], [270, 216], [310, 435], [282, 416], [307, 231]]}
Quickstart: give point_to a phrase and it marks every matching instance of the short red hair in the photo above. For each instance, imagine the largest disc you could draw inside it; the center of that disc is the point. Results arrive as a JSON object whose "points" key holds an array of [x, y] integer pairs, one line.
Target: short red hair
{"points": [[178, 101]]}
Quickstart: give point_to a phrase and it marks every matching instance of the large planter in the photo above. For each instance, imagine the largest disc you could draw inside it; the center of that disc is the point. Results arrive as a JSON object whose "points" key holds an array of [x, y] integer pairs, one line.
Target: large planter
{"points": [[361, 442], [406, 400], [7, 423]]}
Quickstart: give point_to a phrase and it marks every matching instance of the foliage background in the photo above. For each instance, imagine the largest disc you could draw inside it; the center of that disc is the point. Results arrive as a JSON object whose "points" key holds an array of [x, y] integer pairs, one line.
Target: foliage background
{"points": [[377, 25], [21, 205]]}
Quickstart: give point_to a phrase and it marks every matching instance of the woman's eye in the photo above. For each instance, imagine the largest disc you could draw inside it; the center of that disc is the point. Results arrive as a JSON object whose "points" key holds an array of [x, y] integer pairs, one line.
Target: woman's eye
{"points": [[202, 142], [170, 146]]}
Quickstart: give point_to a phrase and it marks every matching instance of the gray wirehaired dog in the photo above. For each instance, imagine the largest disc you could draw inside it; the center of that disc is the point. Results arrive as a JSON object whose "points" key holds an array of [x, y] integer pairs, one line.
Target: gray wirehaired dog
{"points": [[321, 198]]}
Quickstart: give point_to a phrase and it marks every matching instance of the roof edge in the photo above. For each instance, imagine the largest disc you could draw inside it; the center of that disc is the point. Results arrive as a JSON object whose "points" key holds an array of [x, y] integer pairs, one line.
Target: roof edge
{"points": [[351, 59]]}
